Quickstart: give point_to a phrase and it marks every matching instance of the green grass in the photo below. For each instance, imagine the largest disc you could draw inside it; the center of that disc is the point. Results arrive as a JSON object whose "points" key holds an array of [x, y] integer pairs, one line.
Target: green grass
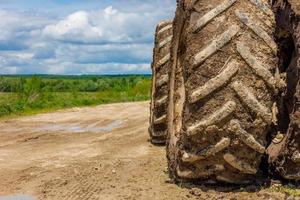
{"points": [[290, 190], [35, 94]]}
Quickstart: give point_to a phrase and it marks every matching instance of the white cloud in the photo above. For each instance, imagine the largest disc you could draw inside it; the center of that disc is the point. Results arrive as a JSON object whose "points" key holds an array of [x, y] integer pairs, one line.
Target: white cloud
{"points": [[9, 70], [122, 53], [19, 29], [105, 68], [104, 26], [76, 27]]}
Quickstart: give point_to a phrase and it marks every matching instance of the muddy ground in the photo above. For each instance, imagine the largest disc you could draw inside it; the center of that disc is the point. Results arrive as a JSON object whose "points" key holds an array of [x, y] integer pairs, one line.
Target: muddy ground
{"points": [[95, 153]]}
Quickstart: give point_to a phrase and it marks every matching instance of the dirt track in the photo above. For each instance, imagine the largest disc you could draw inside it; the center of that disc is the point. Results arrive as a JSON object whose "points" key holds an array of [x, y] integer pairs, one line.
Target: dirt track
{"points": [[94, 153]]}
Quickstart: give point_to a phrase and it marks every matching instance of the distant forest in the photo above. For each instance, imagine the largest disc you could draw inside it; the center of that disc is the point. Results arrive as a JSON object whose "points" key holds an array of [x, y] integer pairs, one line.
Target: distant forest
{"points": [[64, 83]]}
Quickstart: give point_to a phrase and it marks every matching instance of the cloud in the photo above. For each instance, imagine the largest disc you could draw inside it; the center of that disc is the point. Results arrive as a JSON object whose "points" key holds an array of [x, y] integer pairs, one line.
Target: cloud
{"points": [[116, 39], [8, 70], [117, 53], [19, 29], [105, 26], [105, 68], [75, 28]]}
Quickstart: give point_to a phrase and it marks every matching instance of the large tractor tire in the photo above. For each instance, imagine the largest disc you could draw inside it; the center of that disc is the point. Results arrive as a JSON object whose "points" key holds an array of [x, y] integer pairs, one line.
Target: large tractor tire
{"points": [[160, 83], [284, 152], [225, 81], [176, 95]]}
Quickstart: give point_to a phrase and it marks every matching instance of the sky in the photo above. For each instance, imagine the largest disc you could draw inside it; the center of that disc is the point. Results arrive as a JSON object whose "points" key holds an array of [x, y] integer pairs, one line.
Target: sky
{"points": [[79, 36]]}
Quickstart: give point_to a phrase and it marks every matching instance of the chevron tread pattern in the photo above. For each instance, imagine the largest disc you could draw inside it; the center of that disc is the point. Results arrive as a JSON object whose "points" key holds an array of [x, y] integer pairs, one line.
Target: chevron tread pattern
{"points": [[230, 82]]}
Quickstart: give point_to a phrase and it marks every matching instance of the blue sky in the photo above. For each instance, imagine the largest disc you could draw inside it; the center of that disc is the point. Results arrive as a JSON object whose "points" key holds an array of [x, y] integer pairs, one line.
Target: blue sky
{"points": [[79, 36]]}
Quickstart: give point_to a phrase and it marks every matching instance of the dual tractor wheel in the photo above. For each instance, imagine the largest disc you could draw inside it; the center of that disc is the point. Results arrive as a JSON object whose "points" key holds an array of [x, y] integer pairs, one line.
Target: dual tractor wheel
{"points": [[216, 92]]}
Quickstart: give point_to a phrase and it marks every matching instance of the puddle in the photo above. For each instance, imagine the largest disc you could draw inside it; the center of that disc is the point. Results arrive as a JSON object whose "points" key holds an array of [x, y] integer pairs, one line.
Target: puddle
{"points": [[76, 128], [109, 127], [17, 197]]}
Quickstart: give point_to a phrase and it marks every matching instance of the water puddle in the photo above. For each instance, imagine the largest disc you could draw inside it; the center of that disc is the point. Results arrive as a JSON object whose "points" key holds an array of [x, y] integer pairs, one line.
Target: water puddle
{"points": [[108, 128], [77, 128], [17, 197]]}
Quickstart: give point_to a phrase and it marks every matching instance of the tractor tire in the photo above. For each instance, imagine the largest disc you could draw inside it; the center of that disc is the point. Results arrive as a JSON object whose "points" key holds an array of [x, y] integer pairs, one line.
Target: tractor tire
{"points": [[284, 152], [221, 113], [176, 95], [160, 83]]}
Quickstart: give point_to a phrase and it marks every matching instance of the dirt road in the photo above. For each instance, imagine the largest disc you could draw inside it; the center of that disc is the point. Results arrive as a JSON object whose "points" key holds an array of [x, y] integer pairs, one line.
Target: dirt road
{"points": [[94, 153]]}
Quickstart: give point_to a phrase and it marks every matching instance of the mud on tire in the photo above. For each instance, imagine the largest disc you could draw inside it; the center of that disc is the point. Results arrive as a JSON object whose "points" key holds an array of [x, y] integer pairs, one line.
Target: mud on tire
{"points": [[225, 53], [160, 83], [284, 152]]}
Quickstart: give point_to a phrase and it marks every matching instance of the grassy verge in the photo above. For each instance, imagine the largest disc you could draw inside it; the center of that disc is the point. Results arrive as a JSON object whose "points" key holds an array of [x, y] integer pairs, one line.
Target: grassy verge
{"points": [[33, 98]]}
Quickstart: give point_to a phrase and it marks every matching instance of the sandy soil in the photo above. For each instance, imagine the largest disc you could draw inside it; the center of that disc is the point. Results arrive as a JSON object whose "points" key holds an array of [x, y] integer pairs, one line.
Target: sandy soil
{"points": [[95, 153]]}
